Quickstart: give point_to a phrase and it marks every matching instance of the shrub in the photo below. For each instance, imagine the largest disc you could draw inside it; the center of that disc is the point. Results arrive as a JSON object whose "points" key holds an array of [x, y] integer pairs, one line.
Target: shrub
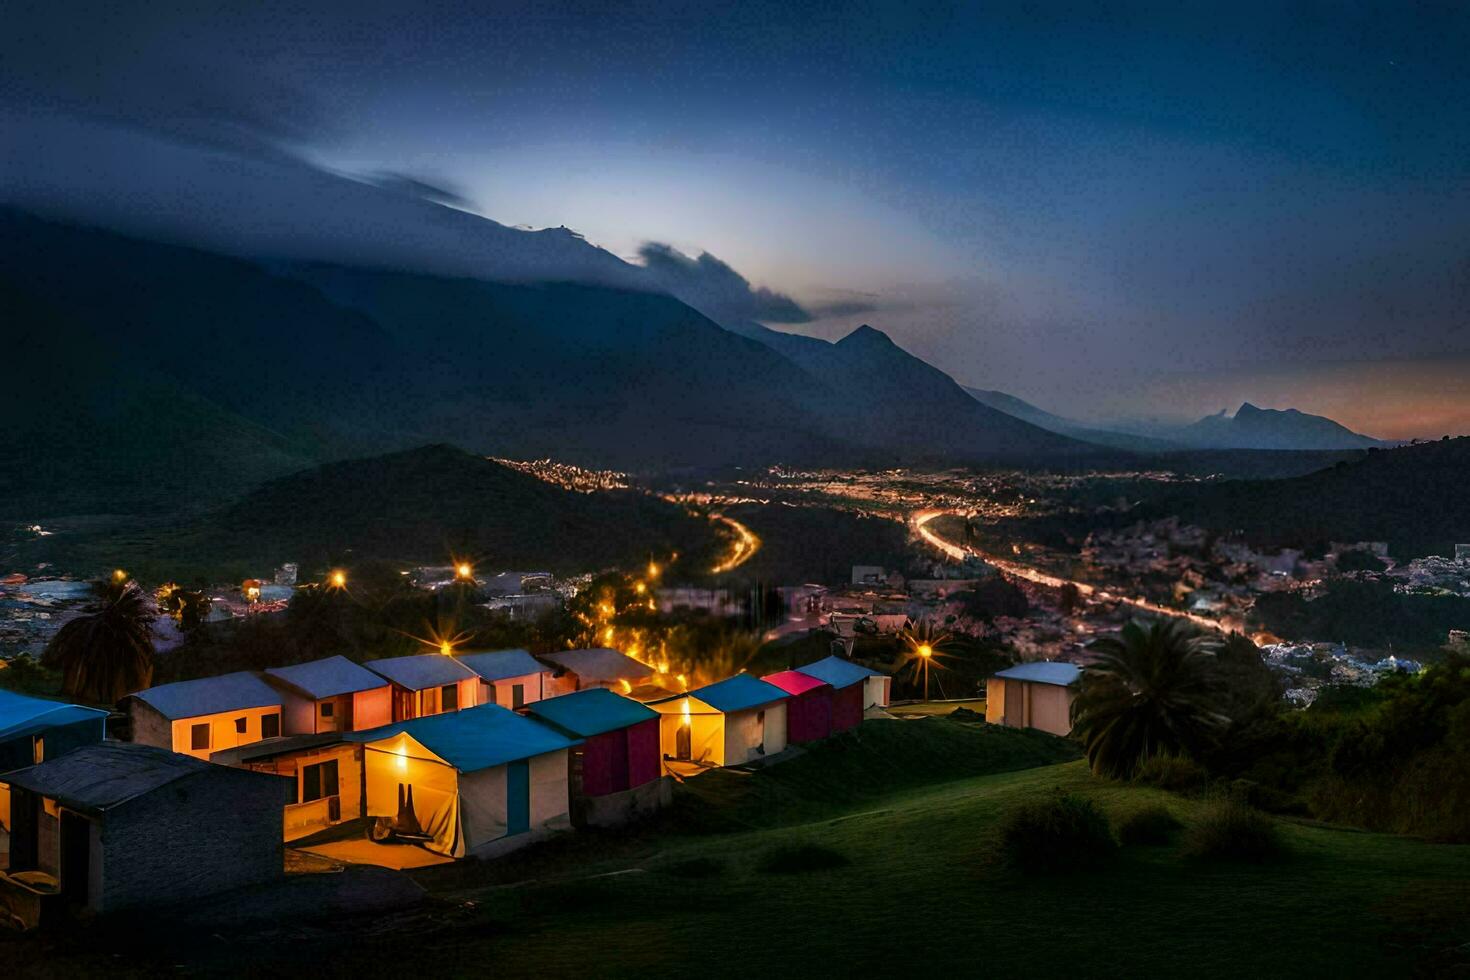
{"points": [[1149, 825], [798, 858], [1229, 830], [1065, 833], [1175, 773]]}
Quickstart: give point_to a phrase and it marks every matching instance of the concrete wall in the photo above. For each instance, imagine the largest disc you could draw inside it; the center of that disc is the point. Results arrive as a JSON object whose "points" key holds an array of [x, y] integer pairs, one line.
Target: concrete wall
{"points": [[224, 732], [617, 809], [150, 727]]}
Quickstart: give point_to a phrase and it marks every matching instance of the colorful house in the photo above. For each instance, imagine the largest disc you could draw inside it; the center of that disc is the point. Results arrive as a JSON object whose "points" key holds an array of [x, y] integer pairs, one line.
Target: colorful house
{"points": [[857, 688], [331, 695], [577, 670], [509, 678], [728, 723], [476, 782], [207, 715], [616, 773], [1036, 695], [120, 825], [428, 684], [325, 772], [808, 706]]}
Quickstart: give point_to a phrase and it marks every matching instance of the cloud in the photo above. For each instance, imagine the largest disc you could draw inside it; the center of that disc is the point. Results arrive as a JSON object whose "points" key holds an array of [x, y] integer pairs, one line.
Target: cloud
{"points": [[715, 289], [422, 189]]}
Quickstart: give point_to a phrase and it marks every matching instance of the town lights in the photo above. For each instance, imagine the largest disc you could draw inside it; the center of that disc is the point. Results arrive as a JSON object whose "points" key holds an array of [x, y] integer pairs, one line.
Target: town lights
{"points": [[925, 651], [337, 579], [445, 647], [119, 576], [464, 571], [653, 569]]}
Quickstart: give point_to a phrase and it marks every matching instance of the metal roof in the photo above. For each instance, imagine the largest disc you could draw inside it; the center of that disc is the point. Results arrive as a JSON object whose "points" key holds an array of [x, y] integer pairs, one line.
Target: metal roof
{"points": [[497, 665], [269, 747], [838, 672], [601, 665], [1043, 672], [95, 778], [328, 678], [421, 671], [210, 695], [590, 712], [739, 693], [22, 715], [795, 682], [475, 738]]}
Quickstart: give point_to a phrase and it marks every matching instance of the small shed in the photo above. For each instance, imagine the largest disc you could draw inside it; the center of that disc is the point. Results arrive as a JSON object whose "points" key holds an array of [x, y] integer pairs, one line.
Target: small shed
{"points": [[33, 730], [577, 670], [808, 707], [509, 678], [843, 675], [206, 715], [616, 772], [121, 825], [477, 782], [331, 695], [428, 684], [1036, 695], [325, 771], [728, 723]]}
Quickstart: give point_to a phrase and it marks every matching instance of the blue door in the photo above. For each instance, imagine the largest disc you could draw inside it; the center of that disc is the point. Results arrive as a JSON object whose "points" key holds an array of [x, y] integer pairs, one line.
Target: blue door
{"points": [[518, 797]]}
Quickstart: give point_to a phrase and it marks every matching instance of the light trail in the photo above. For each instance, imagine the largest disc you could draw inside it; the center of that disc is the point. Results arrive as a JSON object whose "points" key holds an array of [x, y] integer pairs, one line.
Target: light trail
{"points": [[921, 519], [745, 544]]}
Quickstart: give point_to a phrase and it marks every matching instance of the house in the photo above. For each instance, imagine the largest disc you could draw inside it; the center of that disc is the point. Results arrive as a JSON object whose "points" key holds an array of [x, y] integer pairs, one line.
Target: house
{"points": [[808, 707], [428, 684], [121, 825], [728, 723], [617, 772], [206, 715], [577, 670], [1036, 695], [33, 730], [476, 782], [331, 695], [509, 678], [844, 675], [325, 772]]}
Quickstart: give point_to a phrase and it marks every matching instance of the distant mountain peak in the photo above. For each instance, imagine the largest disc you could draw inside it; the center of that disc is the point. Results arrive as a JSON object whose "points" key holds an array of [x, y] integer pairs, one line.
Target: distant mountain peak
{"points": [[866, 336]]}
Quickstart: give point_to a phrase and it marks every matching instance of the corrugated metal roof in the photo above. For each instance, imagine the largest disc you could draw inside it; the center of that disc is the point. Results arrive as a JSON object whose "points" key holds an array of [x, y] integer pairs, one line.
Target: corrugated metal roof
{"points": [[210, 695], [497, 665], [1043, 672], [601, 665], [328, 678], [22, 715], [795, 682], [421, 671], [475, 738], [590, 712], [738, 693], [838, 672]]}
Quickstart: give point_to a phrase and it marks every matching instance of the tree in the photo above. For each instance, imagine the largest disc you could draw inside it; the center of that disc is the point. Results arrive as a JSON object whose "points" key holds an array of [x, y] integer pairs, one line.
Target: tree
{"points": [[1152, 690], [107, 652], [996, 596]]}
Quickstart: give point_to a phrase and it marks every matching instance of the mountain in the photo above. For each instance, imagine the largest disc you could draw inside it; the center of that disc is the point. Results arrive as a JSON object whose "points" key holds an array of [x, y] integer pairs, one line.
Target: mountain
{"points": [[1413, 497], [1127, 441], [1266, 428]]}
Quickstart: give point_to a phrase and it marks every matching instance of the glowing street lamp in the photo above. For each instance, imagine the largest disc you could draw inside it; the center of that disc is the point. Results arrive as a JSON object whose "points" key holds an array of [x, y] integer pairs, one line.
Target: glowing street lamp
{"points": [[337, 579], [446, 648], [926, 654], [653, 569], [119, 576], [464, 571]]}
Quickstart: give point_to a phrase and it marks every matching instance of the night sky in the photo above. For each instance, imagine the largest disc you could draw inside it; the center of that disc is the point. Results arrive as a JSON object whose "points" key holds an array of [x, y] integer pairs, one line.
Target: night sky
{"points": [[1153, 211]]}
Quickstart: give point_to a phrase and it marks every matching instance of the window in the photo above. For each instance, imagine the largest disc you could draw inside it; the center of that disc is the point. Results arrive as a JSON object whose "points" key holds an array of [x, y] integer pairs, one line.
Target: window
{"points": [[327, 708], [199, 737], [318, 781], [270, 726], [38, 749], [240, 725], [518, 696], [449, 697]]}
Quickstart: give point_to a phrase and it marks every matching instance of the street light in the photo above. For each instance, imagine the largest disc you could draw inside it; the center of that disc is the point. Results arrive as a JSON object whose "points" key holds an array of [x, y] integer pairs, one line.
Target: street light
{"points": [[338, 579], [464, 570], [926, 654]]}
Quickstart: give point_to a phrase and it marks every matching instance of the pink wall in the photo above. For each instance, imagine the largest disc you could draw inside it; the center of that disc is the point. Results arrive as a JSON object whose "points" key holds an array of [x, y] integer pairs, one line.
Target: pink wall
{"points": [[809, 715], [644, 754]]}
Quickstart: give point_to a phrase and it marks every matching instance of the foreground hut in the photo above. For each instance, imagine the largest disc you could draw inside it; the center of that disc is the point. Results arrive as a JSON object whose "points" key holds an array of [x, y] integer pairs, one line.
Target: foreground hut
{"points": [[1036, 695], [477, 782], [207, 715], [616, 773], [509, 678], [808, 707], [120, 825], [427, 684], [728, 723], [331, 695]]}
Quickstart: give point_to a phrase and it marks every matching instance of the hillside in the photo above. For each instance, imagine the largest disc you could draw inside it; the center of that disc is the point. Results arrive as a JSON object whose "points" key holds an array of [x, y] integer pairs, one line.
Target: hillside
{"points": [[1128, 441], [1268, 428], [1413, 497]]}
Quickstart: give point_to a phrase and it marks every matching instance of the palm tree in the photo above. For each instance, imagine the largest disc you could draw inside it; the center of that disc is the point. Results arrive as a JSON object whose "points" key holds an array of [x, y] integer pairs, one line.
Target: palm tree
{"points": [[1151, 691], [107, 652]]}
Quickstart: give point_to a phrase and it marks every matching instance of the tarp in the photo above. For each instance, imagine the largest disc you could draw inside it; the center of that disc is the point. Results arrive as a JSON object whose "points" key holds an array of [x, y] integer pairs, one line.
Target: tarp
{"points": [[398, 762], [738, 693], [838, 672], [498, 665], [210, 695], [328, 678], [1043, 672], [475, 738], [21, 715], [601, 666], [421, 671], [590, 712]]}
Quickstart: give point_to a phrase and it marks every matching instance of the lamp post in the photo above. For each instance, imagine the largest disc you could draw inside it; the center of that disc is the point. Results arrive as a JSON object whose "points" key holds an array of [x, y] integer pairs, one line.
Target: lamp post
{"points": [[926, 654]]}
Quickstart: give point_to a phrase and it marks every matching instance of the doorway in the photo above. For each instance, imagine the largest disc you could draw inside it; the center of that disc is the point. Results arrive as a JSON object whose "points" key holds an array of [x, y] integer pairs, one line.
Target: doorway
{"points": [[76, 858], [518, 797]]}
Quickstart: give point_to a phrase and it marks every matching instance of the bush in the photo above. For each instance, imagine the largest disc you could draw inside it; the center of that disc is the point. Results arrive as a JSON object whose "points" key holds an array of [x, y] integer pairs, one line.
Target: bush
{"points": [[1175, 773], [1149, 825], [1066, 833], [1229, 830], [798, 858]]}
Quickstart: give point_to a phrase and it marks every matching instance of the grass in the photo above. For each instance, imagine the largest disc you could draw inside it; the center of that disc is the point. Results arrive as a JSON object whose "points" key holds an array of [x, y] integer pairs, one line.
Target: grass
{"points": [[1148, 825]]}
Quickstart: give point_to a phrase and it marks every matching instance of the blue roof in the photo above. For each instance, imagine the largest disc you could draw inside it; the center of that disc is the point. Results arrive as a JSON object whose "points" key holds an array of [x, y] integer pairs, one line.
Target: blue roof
{"points": [[1043, 672], [838, 672], [421, 671], [22, 715], [475, 738], [590, 712], [328, 678], [497, 665], [739, 693], [210, 695]]}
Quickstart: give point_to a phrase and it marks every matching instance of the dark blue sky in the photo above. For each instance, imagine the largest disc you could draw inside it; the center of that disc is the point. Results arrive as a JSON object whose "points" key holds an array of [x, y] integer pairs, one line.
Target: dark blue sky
{"points": [[1160, 208]]}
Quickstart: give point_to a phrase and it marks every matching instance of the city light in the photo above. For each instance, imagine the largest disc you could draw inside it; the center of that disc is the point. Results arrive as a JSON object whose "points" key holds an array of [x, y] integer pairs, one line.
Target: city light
{"points": [[464, 570], [338, 579]]}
